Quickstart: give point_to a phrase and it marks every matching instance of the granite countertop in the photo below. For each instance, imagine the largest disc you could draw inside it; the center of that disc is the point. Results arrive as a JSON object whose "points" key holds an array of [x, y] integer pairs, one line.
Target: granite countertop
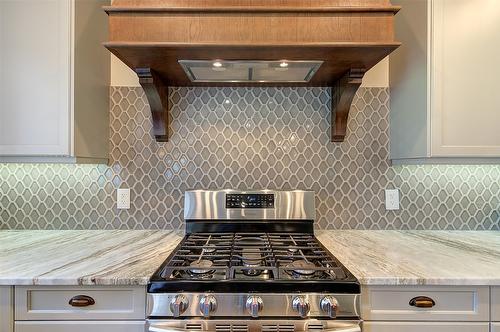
{"points": [[418, 257], [131, 257], [83, 257]]}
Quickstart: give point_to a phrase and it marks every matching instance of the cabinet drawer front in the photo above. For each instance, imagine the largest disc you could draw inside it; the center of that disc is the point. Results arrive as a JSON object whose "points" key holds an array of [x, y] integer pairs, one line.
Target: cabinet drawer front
{"points": [[451, 303], [424, 326], [52, 303], [495, 327], [6, 308], [80, 326], [495, 304]]}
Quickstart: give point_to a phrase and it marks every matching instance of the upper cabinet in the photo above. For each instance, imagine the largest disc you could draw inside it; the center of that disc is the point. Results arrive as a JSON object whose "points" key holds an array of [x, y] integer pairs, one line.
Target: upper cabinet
{"points": [[54, 81], [444, 81]]}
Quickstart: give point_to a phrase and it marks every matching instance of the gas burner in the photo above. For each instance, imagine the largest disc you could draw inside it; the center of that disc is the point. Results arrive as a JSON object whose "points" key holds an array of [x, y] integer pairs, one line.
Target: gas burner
{"points": [[201, 267], [251, 258], [301, 267]]}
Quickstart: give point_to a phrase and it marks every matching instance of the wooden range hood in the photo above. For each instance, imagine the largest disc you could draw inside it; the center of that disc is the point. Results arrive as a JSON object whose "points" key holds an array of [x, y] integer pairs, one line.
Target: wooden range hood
{"points": [[346, 37]]}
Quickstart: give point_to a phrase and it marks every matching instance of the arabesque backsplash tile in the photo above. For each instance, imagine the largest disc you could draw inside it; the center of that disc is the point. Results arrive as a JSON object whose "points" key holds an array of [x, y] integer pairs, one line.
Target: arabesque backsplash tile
{"points": [[249, 138]]}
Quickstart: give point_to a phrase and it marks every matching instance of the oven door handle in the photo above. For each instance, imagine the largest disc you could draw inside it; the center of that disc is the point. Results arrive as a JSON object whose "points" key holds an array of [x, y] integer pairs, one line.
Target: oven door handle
{"points": [[351, 328]]}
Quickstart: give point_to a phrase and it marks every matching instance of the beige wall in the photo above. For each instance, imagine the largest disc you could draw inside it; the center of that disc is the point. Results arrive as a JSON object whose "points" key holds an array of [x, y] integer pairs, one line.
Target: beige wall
{"points": [[121, 75]]}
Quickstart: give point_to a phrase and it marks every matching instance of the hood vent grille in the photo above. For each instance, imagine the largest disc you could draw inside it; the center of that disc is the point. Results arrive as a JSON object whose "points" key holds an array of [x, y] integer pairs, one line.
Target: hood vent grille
{"points": [[250, 71]]}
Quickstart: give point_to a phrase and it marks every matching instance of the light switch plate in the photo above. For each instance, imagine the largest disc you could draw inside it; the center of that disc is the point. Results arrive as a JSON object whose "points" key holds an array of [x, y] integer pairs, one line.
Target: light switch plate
{"points": [[123, 198], [392, 199]]}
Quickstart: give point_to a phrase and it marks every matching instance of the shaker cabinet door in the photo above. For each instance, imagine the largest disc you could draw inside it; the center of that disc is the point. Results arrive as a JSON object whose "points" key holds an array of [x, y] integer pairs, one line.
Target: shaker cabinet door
{"points": [[35, 76], [445, 104], [495, 304], [55, 303], [6, 309], [424, 326], [465, 103]]}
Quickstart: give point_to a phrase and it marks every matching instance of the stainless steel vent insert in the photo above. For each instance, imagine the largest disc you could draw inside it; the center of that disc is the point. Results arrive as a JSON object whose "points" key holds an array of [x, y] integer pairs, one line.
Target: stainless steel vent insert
{"points": [[231, 327], [280, 71], [278, 328], [193, 326]]}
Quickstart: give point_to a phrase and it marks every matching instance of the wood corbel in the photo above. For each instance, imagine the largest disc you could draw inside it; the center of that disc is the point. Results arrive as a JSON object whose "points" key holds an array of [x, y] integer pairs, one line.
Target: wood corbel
{"points": [[157, 94], [342, 95]]}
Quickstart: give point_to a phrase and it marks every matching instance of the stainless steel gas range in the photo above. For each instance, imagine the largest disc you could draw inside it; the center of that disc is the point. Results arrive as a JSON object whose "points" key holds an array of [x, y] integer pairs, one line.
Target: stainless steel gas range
{"points": [[250, 262]]}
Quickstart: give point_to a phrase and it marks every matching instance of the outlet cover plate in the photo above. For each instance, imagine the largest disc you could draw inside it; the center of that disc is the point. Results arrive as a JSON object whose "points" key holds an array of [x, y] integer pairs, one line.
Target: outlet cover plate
{"points": [[123, 198], [392, 199]]}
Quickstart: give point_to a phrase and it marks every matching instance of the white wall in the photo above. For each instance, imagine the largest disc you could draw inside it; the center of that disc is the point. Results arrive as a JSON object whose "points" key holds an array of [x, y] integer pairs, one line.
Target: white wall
{"points": [[121, 75], [378, 76]]}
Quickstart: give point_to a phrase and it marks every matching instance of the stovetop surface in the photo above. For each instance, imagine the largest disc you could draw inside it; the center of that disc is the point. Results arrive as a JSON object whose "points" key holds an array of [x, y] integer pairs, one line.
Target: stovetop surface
{"points": [[263, 262]]}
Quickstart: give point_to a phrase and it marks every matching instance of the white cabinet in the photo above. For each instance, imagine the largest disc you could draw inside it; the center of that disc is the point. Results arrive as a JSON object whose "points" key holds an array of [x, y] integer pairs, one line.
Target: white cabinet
{"points": [[426, 326], [495, 304], [444, 100], [53, 303], [80, 326], [450, 304], [6, 309], [495, 327], [54, 81], [425, 308], [84, 308]]}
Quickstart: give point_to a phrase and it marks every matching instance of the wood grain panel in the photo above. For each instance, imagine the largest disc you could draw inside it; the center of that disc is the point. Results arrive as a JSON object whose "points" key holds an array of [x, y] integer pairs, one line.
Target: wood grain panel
{"points": [[251, 4], [163, 57], [252, 29]]}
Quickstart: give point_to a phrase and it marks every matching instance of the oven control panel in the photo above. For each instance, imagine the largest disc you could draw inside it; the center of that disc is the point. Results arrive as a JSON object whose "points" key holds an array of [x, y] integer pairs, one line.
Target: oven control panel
{"points": [[250, 201]]}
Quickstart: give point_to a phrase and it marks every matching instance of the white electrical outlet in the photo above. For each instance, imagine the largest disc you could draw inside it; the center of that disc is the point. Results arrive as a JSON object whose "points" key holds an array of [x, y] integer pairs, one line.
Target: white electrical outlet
{"points": [[391, 199], [123, 198]]}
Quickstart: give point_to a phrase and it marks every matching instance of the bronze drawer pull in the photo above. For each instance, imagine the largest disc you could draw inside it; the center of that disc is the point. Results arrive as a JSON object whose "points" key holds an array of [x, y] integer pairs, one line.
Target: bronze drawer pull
{"points": [[422, 302], [81, 301]]}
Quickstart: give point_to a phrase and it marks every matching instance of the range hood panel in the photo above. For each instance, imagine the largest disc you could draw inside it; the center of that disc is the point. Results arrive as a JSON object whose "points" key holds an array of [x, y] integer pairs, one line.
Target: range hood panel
{"points": [[337, 59], [325, 42]]}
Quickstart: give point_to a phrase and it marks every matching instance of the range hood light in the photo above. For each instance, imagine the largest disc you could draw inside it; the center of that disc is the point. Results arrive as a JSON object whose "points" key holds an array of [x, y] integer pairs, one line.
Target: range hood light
{"points": [[218, 66], [283, 66]]}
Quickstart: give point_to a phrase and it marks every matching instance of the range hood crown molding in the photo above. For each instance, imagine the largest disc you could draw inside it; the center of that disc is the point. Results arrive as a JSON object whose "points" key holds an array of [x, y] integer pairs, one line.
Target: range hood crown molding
{"points": [[156, 37]]}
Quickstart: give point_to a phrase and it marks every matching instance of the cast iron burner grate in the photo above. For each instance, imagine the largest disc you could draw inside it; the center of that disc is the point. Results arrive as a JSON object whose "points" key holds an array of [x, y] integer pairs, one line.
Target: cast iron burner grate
{"points": [[252, 256]]}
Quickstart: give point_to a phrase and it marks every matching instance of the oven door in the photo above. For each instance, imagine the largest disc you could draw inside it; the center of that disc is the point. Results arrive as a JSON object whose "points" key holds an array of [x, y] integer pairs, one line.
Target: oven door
{"points": [[192, 325]]}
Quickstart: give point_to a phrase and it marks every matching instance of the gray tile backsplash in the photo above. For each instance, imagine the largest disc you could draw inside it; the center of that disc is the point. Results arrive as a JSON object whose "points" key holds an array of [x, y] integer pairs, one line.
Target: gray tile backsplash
{"points": [[249, 138]]}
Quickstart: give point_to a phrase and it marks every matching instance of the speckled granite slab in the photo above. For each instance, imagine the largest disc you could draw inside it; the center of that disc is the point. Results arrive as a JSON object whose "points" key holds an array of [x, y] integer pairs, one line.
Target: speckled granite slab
{"points": [[82, 257], [417, 257]]}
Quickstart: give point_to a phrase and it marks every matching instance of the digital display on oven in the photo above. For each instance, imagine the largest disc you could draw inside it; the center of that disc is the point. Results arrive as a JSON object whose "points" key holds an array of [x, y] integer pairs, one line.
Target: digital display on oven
{"points": [[250, 201]]}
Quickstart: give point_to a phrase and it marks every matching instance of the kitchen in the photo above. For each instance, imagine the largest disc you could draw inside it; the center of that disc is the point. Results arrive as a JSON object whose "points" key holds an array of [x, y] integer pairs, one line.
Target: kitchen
{"points": [[246, 165]]}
